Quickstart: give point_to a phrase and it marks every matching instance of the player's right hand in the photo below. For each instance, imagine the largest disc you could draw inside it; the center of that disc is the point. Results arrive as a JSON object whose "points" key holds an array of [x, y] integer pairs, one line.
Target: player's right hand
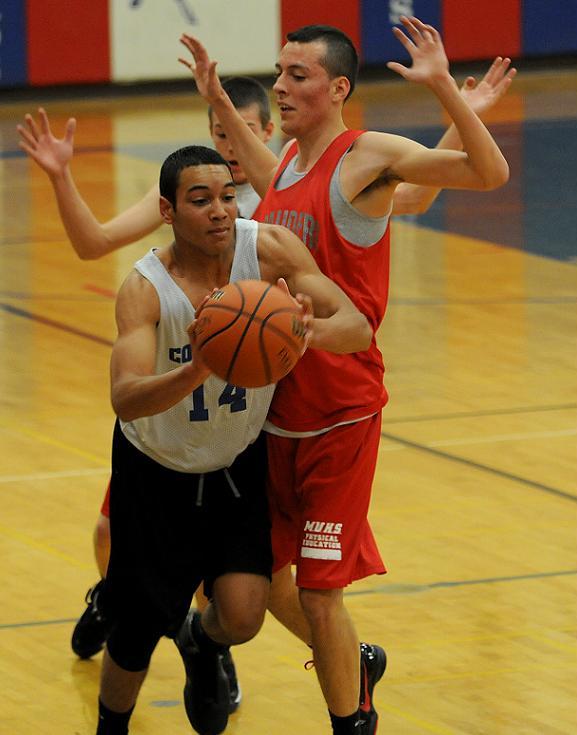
{"points": [[37, 140]]}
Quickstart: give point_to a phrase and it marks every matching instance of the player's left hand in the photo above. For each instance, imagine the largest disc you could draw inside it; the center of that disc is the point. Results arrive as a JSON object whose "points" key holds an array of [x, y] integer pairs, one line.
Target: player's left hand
{"points": [[484, 95], [203, 69], [425, 47], [307, 312]]}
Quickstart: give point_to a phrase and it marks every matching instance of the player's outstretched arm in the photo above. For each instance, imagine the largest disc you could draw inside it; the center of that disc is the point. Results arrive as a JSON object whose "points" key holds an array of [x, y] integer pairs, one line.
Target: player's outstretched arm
{"points": [[338, 325], [256, 159], [89, 238], [481, 97], [482, 166], [136, 390]]}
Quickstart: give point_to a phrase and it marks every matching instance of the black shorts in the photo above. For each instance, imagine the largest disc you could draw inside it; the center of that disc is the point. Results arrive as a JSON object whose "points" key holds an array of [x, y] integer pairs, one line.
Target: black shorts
{"points": [[167, 537]]}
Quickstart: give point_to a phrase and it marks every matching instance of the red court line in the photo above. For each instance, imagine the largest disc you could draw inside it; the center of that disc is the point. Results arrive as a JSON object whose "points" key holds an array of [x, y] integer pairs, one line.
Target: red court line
{"points": [[109, 293]]}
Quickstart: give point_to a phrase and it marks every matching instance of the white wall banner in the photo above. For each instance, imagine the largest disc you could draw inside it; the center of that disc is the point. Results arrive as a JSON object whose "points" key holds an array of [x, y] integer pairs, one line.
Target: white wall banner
{"points": [[242, 35]]}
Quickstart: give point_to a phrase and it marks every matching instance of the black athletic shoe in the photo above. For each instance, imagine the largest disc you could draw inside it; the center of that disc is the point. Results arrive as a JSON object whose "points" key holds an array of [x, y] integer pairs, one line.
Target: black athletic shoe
{"points": [[233, 683], [206, 691], [373, 665], [93, 628]]}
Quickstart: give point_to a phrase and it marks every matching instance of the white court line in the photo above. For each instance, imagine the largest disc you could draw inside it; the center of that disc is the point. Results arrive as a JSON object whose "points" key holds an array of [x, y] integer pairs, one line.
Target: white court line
{"points": [[484, 439], [53, 475]]}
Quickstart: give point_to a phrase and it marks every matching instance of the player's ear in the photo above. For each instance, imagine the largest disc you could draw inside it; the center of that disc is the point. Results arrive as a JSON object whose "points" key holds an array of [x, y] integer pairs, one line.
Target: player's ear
{"points": [[166, 210], [340, 87], [268, 131]]}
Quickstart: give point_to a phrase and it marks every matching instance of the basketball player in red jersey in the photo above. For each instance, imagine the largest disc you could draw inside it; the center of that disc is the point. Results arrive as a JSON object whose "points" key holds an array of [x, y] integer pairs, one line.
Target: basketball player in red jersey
{"points": [[334, 187]]}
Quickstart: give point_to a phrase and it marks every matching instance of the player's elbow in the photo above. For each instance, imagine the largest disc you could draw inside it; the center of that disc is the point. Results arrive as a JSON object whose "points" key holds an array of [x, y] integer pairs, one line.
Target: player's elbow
{"points": [[121, 407], [366, 336], [87, 254], [497, 176], [363, 336]]}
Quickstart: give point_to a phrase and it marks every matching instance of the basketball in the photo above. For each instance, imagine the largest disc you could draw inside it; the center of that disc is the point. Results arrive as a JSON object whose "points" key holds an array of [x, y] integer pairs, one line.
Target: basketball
{"points": [[250, 333]]}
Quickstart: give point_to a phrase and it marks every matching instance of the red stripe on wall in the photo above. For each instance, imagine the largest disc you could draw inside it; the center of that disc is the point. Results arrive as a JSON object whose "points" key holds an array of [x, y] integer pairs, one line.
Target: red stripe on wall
{"points": [[480, 30], [344, 15], [68, 41]]}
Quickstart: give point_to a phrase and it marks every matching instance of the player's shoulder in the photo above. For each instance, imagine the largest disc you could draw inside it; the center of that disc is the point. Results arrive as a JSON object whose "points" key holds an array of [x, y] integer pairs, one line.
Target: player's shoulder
{"points": [[269, 234], [372, 140], [137, 301], [276, 243]]}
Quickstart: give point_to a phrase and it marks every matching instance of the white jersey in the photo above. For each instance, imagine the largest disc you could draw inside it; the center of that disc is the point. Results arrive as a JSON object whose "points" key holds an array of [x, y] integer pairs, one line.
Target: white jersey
{"points": [[247, 200], [212, 426]]}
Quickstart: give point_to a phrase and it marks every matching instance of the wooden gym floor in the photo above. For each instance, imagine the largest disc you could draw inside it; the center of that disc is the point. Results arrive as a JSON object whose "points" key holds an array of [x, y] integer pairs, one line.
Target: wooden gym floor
{"points": [[475, 495]]}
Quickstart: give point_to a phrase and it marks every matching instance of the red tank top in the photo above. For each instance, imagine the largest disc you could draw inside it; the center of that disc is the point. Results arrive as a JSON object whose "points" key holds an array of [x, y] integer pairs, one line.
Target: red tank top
{"points": [[326, 389]]}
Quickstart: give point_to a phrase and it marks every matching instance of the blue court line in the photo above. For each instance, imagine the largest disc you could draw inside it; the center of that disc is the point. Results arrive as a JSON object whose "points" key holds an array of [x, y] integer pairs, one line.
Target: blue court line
{"points": [[7, 241], [569, 299], [477, 414], [388, 589], [57, 325], [23, 296], [17, 153], [482, 467], [37, 623], [399, 589]]}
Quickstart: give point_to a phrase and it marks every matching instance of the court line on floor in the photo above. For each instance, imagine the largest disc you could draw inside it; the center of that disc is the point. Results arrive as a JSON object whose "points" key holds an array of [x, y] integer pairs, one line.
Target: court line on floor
{"points": [[15, 428], [477, 414], [56, 325], [23, 538], [32, 477], [491, 439], [443, 301], [17, 153], [392, 589], [400, 589], [478, 466]]}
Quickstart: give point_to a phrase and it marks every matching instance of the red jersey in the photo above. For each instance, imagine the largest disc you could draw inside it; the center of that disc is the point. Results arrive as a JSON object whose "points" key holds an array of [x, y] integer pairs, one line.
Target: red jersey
{"points": [[326, 389]]}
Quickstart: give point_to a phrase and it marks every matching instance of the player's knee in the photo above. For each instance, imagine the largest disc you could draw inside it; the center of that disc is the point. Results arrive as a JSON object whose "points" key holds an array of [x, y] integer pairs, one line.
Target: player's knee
{"points": [[320, 606], [131, 649], [242, 625]]}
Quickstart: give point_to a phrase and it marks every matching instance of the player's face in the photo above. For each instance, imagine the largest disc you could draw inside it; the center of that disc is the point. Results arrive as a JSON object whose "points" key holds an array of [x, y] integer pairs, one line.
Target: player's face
{"points": [[302, 87], [222, 144], [205, 208]]}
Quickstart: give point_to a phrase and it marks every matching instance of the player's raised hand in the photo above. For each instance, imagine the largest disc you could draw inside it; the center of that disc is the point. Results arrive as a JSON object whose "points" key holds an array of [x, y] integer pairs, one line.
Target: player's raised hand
{"points": [[484, 95], [425, 47], [202, 68], [36, 138]]}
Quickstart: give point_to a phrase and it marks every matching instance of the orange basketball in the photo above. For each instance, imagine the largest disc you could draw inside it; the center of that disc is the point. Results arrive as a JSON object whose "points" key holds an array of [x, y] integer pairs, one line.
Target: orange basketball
{"points": [[250, 333]]}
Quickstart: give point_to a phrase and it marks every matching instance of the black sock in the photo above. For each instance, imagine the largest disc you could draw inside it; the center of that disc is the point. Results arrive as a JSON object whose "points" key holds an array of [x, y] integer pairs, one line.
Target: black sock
{"points": [[345, 725], [203, 641], [112, 723]]}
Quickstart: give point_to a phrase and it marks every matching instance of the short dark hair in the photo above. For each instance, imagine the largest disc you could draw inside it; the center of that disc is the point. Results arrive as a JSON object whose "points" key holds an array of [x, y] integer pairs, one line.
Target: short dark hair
{"points": [[246, 91], [190, 155], [341, 58]]}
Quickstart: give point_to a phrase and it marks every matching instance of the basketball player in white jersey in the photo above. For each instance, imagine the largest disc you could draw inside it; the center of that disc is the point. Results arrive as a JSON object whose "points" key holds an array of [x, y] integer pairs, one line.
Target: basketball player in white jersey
{"points": [[188, 501], [92, 239]]}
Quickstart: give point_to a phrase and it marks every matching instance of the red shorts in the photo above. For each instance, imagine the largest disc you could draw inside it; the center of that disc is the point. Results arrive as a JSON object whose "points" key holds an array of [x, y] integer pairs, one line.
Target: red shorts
{"points": [[319, 493], [105, 508]]}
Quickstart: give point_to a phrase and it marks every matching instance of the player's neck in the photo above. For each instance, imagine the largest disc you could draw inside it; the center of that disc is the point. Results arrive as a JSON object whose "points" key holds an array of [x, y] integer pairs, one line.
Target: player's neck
{"points": [[314, 143], [211, 270]]}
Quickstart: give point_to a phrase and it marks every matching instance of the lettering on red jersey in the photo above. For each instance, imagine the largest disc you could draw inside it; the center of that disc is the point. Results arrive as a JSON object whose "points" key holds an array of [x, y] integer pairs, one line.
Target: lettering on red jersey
{"points": [[303, 224]]}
